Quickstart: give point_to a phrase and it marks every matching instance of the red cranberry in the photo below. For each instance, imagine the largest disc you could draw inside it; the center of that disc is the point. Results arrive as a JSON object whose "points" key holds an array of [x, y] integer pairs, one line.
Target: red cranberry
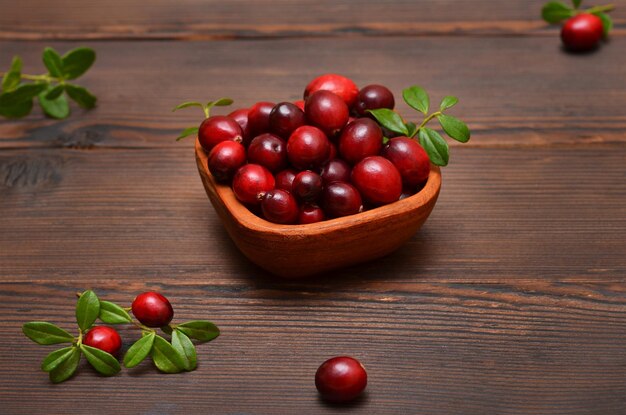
{"points": [[104, 338], [360, 139], [410, 159], [307, 186], [284, 179], [310, 214], [326, 111], [332, 154], [372, 97], [251, 182], [279, 206], [378, 180], [152, 309], [269, 151], [308, 147], [341, 379], [341, 199], [299, 104], [259, 118], [216, 129], [225, 159], [582, 32], [337, 84], [241, 117], [336, 170], [285, 118]]}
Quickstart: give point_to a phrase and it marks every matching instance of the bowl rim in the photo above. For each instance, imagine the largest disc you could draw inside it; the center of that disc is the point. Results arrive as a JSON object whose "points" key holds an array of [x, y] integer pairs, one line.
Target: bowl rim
{"points": [[249, 220]]}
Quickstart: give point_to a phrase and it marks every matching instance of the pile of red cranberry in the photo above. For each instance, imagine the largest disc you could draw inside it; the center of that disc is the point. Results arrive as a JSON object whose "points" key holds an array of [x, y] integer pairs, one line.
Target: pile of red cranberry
{"points": [[320, 158]]}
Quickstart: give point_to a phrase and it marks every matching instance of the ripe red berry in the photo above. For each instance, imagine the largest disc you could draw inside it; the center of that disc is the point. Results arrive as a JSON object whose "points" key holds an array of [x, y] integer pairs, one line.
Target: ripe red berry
{"points": [[336, 170], [241, 117], [410, 159], [378, 180], [251, 182], [279, 206], [299, 104], [310, 214], [360, 139], [284, 179], [308, 148], [326, 111], [341, 199], [372, 97], [216, 129], [259, 118], [340, 85], [225, 159], [582, 32], [152, 309], [269, 151], [285, 118], [104, 338], [307, 186], [341, 379]]}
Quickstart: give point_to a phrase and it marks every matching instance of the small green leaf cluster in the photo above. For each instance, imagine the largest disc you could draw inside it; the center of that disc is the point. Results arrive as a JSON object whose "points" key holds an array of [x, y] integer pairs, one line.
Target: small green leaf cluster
{"points": [[51, 89], [222, 102], [435, 145], [555, 12], [173, 356]]}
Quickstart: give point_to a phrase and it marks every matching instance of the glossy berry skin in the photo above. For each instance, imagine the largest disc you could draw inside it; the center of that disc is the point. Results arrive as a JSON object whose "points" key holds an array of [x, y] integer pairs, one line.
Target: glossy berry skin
{"points": [[259, 118], [360, 139], [152, 309], [218, 128], [251, 182], [269, 151], [582, 33], [285, 118], [225, 159], [279, 206], [410, 159], [341, 379], [308, 148], [341, 199], [326, 111], [307, 186], [336, 170], [378, 180], [284, 179], [241, 117], [344, 87], [310, 214], [104, 338], [299, 104], [372, 97]]}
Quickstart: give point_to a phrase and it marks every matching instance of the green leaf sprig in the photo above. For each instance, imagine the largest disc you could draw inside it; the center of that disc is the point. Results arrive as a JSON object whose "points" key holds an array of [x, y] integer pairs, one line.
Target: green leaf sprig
{"points": [[222, 102], [555, 12], [173, 356], [50, 89], [435, 145]]}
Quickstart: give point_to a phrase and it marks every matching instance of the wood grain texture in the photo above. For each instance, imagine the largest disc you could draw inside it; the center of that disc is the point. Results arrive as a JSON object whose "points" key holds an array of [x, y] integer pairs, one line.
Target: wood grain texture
{"points": [[237, 19]]}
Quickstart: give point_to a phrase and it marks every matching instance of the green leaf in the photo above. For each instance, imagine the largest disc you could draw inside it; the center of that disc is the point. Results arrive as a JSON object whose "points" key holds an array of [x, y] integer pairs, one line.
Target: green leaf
{"points": [[222, 102], [81, 96], [417, 98], [411, 128], [18, 110], [185, 349], [54, 92], [53, 62], [187, 132], [435, 146], [22, 93], [55, 358], [66, 368], [113, 314], [576, 3], [200, 330], [454, 127], [607, 22], [448, 102], [56, 108], [87, 309], [11, 79], [139, 350], [77, 61], [102, 361], [42, 332], [187, 105], [555, 12], [166, 329], [390, 120], [166, 357]]}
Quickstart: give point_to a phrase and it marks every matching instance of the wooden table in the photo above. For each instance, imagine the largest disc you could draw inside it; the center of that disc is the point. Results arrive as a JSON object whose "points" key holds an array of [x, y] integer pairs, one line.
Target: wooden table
{"points": [[511, 299]]}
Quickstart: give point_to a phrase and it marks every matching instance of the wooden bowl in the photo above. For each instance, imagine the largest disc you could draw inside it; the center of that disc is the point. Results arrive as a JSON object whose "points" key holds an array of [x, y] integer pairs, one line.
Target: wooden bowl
{"points": [[294, 251]]}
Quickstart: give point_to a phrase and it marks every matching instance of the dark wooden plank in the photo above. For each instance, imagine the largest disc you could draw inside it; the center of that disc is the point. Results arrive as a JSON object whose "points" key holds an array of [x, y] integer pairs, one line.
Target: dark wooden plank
{"points": [[433, 348], [503, 214], [514, 91], [213, 19]]}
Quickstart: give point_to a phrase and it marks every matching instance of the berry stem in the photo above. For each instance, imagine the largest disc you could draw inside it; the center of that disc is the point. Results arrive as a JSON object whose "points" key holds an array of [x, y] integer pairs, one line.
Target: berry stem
{"points": [[599, 9], [45, 77], [426, 120]]}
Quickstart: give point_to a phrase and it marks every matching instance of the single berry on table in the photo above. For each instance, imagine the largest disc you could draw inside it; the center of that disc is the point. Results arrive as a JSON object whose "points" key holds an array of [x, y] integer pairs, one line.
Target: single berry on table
{"points": [[341, 379], [104, 338], [152, 309], [582, 33]]}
